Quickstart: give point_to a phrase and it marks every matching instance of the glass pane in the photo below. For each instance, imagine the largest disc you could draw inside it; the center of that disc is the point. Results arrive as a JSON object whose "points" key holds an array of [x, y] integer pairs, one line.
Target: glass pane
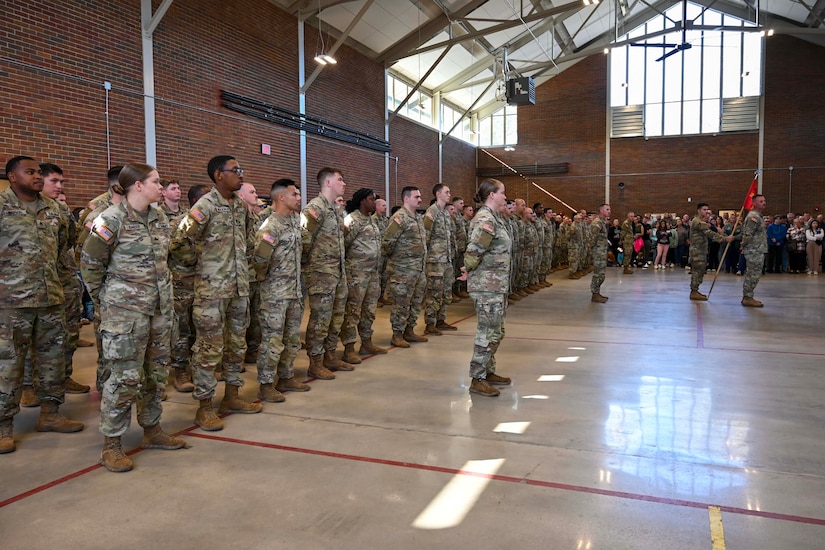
{"points": [[498, 129], [673, 118], [511, 135], [693, 68], [653, 119], [752, 64], [655, 75], [711, 72], [710, 115], [691, 123], [485, 130], [731, 63], [636, 76], [618, 71], [673, 77]]}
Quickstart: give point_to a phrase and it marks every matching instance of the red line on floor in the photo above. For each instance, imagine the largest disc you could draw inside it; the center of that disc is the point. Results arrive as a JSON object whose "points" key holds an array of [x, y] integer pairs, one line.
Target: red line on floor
{"points": [[512, 479], [700, 332]]}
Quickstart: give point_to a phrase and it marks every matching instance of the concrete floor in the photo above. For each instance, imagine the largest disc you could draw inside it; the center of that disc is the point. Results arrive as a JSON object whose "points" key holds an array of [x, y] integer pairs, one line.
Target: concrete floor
{"points": [[662, 423]]}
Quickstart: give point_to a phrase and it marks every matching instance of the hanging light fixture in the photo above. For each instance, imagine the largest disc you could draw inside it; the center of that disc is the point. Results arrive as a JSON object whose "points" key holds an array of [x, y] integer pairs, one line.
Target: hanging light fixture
{"points": [[322, 58]]}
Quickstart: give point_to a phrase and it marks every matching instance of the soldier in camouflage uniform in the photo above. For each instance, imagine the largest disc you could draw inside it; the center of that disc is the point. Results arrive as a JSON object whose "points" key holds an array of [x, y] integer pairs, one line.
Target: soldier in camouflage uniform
{"points": [[124, 262], [487, 263], [362, 244], [536, 278], [325, 274], [213, 238], [575, 247], [405, 245], [547, 247], [628, 234], [460, 232], [440, 248], [529, 251], [277, 262], [381, 219], [598, 230], [754, 247], [32, 238], [508, 213], [700, 232], [253, 332]]}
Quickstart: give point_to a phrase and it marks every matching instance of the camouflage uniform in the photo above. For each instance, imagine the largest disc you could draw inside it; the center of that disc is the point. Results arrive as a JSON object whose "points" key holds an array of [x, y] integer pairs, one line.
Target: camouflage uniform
{"points": [[382, 222], [560, 246], [363, 253], [277, 262], [253, 331], [488, 263], [575, 246], [31, 299], [460, 232], [529, 255], [440, 247], [627, 235], [536, 275], [213, 237], [326, 278], [754, 247], [700, 232], [124, 263], [519, 245], [547, 248], [183, 288], [513, 230], [598, 231], [405, 244]]}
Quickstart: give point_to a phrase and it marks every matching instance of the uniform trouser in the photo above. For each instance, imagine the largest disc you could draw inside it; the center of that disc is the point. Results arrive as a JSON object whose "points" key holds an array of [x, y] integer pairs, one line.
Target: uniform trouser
{"points": [[439, 292], [753, 271], [546, 262], [184, 337], [327, 300], [253, 331], [136, 347], [599, 268], [627, 247], [407, 292], [523, 277], [73, 293], [363, 291], [383, 268], [490, 311], [44, 329], [573, 258], [220, 325], [697, 272], [280, 338]]}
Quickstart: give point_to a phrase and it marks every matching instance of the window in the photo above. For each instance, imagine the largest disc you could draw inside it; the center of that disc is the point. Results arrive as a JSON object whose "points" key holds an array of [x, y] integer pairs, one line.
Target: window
{"points": [[500, 128]]}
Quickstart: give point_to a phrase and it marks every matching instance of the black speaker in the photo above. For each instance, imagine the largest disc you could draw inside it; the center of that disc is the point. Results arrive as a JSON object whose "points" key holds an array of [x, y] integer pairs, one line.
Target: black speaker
{"points": [[621, 185]]}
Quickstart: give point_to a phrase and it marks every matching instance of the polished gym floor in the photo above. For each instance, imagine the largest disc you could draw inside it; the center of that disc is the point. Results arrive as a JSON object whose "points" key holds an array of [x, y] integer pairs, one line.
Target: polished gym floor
{"points": [[649, 422]]}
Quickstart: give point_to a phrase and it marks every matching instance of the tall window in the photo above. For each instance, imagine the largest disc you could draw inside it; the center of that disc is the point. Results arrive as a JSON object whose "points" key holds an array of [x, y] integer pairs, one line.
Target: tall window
{"points": [[500, 128], [690, 91]]}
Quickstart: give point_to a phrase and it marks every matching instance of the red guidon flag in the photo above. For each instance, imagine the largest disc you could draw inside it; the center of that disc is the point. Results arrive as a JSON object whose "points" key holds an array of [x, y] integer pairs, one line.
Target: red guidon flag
{"points": [[751, 193]]}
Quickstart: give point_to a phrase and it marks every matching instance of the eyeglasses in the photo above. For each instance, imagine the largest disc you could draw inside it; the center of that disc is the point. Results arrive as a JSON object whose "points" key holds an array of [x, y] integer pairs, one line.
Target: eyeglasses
{"points": [[238, 170]]}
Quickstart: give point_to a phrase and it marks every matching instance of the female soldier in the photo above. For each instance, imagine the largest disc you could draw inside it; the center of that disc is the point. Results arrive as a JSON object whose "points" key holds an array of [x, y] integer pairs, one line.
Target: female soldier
{"points": [[124, 266], [487, 269]]}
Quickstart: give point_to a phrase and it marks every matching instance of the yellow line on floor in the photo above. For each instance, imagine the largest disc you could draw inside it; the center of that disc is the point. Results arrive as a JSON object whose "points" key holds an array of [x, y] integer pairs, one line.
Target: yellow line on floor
{"points": [[717, 532]]}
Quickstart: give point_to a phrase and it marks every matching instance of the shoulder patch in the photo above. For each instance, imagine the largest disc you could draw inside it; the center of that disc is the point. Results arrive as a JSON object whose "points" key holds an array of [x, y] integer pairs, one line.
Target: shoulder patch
{"points": [[430, 215], [488, 227], [89, 224], [197, 214], [397, 220], [268, 238], [104, 232], [313, 212]]}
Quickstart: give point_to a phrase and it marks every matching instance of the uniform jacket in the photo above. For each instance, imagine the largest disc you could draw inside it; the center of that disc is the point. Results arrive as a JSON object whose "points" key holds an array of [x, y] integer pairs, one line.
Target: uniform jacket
{"points": [[488, 253]]}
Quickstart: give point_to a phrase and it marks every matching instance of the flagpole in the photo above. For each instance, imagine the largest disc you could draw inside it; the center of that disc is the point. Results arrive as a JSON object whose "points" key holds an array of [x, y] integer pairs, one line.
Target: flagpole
{"points": [[725, 253]]}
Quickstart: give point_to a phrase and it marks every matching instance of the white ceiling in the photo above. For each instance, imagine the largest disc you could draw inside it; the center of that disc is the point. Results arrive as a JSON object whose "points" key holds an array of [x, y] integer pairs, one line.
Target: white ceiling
{"points": [[538, 38]]}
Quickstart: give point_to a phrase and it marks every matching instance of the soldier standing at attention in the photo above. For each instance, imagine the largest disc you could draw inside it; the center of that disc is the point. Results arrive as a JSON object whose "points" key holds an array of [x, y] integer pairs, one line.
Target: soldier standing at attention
{"points": [[487, 264], [754, 247], [124, 262], [700, 232], [598, 230], [382, 220], [460, 232], [171, 197], [440, 247], [405, 244], [628, 235], [31, 302], [277, 263], [253, 333], [213, 237], [363, 251], [325, 274]]}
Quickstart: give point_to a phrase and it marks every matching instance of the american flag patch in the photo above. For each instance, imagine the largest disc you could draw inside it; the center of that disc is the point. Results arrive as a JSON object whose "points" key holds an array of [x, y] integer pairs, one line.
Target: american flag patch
{"points": [[269, 238], [312, 212], [397, 220], [89, 224], [197, 214], [104, 233], [488, 227]]}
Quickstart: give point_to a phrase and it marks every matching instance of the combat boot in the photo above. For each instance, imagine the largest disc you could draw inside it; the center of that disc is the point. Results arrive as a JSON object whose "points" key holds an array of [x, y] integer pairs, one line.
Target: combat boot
{"points": [[497, 380], [317, 369], [350, 356], [250, 357], [367, 348], [6, 436], [521, 294], [290, 384], [482, 387], [430, 329], [268, 393], [598, 298], [206, 417], [747, 301], [443, 325], [332, 362], [52, 421], [183, 381], [113, 458], [455, 299], [513, 297], [628, 271], [155, 438], [72, 386], [398, 340], [463, 294], [411, 336], [234, 404], [29, 397], [696, 295]]}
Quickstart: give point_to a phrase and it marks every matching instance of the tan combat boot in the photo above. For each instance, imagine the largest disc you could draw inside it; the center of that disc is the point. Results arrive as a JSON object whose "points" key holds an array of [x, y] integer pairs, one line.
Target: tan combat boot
{"points": [[628, 271], [332, 362], [155, 438], [317, 369], [463, 294], [113, 458], [497, 380], [206, 417], [234, 404], [411, 336], [430, 329], [350, 356], [29, 397], [482, 387], [513, 297], [72, 386], [598, 298], [368, 348], [268, 393], [442, 325], [52, 421], [6, 436], [696, 295], [183, 381], [398, 341], [747, 301], [290, 384]]}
